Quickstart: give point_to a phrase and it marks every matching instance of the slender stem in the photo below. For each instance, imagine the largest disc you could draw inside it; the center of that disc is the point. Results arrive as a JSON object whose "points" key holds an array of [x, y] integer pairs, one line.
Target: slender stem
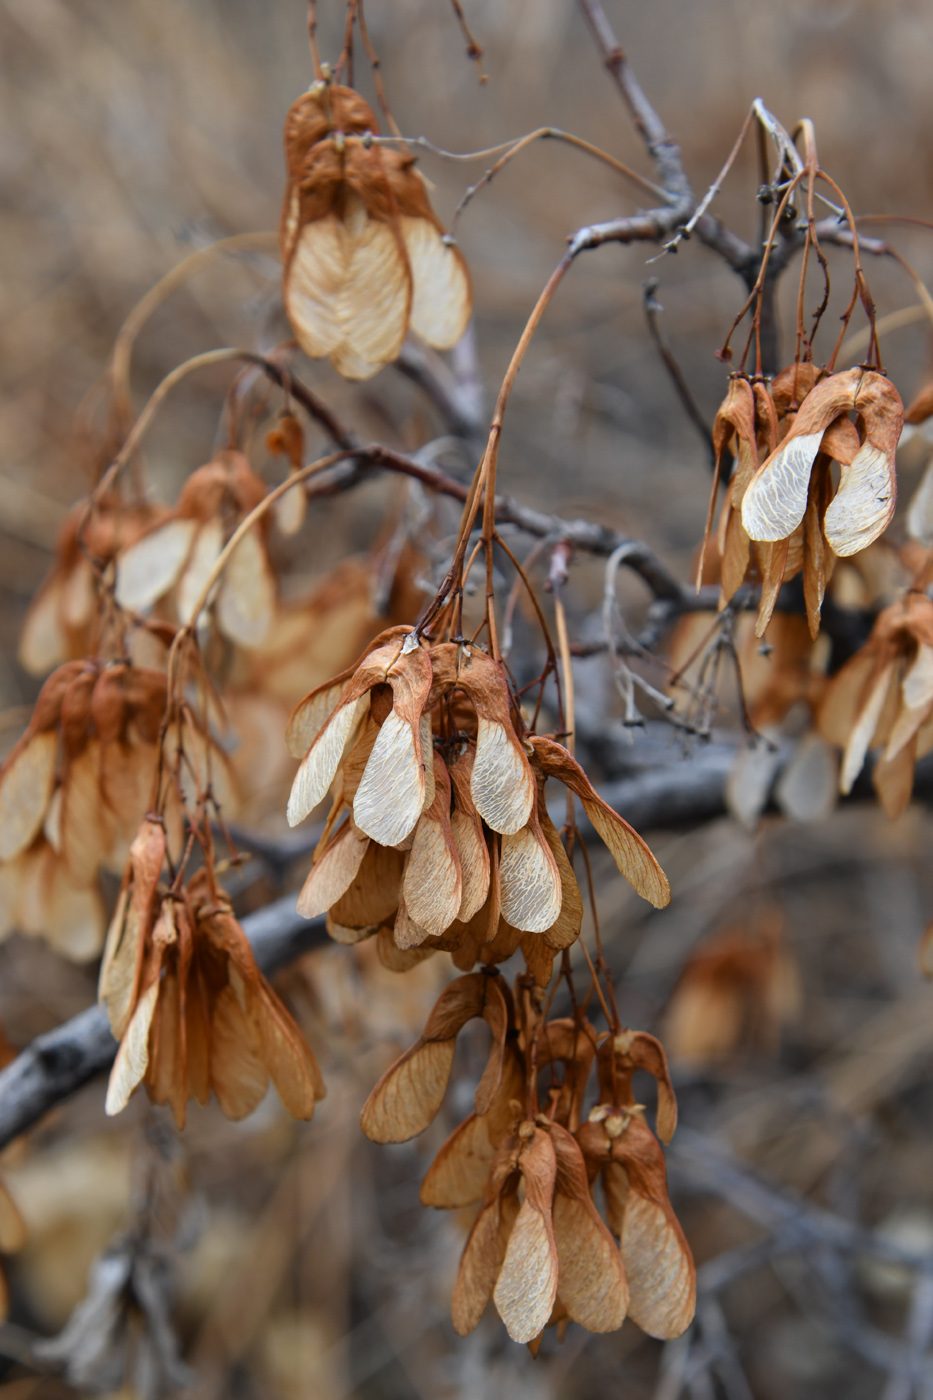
{"points": [[375, 64], [145, 419], [312, 40], [860, 290], [713, 190], [566, 666], [474, 50], [664, 151], [555, 134], [173, 279], [483, 486], [247, 523], [522, 579], [755, 294], [653, 308]]}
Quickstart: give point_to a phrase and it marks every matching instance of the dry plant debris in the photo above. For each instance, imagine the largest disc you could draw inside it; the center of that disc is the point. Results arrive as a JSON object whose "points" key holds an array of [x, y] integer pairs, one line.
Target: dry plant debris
{"points": [[175, 642]]}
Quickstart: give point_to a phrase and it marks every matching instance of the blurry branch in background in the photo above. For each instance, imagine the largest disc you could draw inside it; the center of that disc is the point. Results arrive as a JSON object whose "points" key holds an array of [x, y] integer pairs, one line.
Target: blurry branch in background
{"points": [[830, 1246]]}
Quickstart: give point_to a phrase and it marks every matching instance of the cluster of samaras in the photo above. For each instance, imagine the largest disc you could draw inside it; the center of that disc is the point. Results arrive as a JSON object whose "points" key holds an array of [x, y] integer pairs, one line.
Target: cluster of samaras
{"points": [[71, 793], [539, 1246], [438, 835], [364, 256], [75, 787], [784, 514], [787, 437], [193, 1013], [171, 560]]}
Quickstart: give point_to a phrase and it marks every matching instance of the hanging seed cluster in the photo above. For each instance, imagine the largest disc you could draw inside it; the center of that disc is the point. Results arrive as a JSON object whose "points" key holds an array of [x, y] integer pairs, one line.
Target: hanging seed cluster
{"points": [[173, 646], [439, 837], [365, 258]]}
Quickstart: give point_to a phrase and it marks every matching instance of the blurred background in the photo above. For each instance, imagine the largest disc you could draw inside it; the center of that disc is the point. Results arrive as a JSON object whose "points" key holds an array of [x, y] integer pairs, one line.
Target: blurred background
{"points": [[295, 1260]]}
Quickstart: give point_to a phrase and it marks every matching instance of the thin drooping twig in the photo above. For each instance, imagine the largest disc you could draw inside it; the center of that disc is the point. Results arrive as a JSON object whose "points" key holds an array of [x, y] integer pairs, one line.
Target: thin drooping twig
{"points": [[653, 309], [672, 224], [582, 534]]}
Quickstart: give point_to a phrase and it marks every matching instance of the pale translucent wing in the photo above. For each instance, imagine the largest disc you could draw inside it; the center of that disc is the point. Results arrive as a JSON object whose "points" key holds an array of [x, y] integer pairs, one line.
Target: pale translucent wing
{"points": [[409, 1094], [133, 1055], [25, 791], [375, 301], [864, 729], [527, 1284], [433, 885], [238, 1076], [390, 796], [308, 718], [862, 508], [776, 500], [441, 303], [917, 691], [148, 569], [474, 864], [529, 882], [661, 1279], [313, 281], [502, 785], [74, 918], [353, 366], [246, 602], [348, 292], [319, 765], [806, 790], [333, 873], [591, 1276], [42, 642], [204, 555]]}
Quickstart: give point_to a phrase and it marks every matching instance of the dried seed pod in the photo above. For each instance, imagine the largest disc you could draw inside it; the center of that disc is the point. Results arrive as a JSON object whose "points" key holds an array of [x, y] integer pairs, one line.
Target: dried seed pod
{"points": [[860, 509], [510, 1255], [571, 1044], [175, 557], [629, 851], [432, 886], [409, 1094], [883, 698], [619, 1057], [198, 1017], [591, 1281], [467, 828], [621, 1148], [392, 789], [735, 992], [74, 790], [363, 255], [459, 1172], [62, 620]]}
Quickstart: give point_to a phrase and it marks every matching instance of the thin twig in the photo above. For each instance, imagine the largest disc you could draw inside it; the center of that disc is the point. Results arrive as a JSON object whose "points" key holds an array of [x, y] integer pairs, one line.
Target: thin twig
{"points": [[653, 309]]}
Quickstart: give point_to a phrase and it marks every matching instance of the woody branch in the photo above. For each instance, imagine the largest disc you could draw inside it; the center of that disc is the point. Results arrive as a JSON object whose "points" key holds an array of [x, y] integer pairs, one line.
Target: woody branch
{"points": [[682, 213]]}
